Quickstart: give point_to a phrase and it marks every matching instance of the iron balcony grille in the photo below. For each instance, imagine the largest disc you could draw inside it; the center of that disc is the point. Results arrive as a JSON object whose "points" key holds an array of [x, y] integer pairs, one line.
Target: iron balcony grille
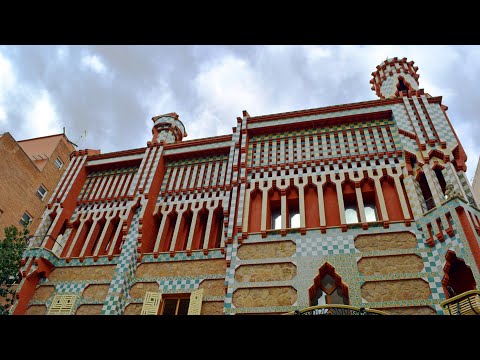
{"points": [[467, 303], [335, 309]]}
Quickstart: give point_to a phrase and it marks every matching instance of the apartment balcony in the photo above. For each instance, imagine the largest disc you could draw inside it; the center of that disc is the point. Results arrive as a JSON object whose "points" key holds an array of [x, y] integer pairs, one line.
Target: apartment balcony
{"points": [[467, 303], [335, 309]]}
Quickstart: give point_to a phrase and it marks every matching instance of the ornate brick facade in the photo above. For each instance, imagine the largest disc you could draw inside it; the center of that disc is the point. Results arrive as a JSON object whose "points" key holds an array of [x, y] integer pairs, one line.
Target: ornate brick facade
{"points": [[365, 198]]}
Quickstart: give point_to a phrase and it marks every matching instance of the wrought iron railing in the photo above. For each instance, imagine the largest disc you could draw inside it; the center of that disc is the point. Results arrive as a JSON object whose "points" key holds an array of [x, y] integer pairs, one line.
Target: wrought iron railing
{"points": [[467, 303], [336, 309]]}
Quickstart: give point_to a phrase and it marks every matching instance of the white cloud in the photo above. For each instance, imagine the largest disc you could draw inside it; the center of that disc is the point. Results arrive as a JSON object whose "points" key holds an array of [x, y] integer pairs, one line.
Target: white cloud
{"points": [[62, 53], [3, 116], [316, 52], [7, 84], [225, 88], [229, 83], [94, 63], [7, 77], [41, 119]]}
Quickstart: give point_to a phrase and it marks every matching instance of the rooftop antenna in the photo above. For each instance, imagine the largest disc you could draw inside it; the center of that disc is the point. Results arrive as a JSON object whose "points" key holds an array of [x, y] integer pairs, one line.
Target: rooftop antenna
{"points": [[83, 136]]}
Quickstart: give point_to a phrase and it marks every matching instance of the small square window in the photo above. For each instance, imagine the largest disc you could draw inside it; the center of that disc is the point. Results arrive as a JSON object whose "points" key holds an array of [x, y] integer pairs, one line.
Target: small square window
{"points": [[26, 219], [58, 163], [175, 306], [41, 192]]}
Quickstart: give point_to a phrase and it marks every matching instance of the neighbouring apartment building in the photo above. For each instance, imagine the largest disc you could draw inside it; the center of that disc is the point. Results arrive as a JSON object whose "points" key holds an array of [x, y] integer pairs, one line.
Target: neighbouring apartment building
{"points": [[363, 204], [29, 171]]}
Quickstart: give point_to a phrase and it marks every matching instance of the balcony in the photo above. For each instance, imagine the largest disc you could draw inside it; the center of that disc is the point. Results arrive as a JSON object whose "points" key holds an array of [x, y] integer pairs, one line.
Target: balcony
{"points": [[335, 309], [467, 303]]}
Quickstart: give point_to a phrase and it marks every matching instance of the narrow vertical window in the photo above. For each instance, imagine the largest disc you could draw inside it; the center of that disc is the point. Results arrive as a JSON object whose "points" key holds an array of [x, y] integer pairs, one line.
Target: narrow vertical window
{"points": [[26, 219], [58, 163], [41, 192]]}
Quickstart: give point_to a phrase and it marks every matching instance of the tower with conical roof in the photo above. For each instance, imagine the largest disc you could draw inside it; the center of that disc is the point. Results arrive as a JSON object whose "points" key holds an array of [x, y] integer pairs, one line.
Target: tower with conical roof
{"points": [[396, 77]]}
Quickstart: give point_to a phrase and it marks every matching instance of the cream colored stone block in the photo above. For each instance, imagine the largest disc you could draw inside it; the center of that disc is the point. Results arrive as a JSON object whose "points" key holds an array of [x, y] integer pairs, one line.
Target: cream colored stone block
{"points": [[395, 290], [380, 265], [278, 249], [258, 297], [265, 272], [386, 241]]}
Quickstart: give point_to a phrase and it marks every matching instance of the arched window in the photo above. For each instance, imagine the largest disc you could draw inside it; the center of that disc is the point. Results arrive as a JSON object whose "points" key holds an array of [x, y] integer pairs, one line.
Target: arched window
{"points": [[275, 209], [328, 288], [369, 200], [95, 237], [183, 231], [111, 236], [216, 229], [255, 215], [330, 200], [200, 228], [458, 276], [350, 202], [351, 214], [312, 217], [441, 179], [149, 234], [427, 194], [168, 231], [392, 201], [81, 238], [293, 209]]}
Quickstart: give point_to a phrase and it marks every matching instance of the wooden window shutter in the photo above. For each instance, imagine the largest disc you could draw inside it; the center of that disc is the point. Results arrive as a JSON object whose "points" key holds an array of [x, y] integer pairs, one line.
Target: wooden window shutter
{"points": [[62, 305], [195, 306], [151, 303]]}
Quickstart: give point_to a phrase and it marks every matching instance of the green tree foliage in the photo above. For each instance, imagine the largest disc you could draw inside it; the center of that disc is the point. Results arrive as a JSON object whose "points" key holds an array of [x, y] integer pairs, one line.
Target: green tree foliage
{"points": [[11, 249]]}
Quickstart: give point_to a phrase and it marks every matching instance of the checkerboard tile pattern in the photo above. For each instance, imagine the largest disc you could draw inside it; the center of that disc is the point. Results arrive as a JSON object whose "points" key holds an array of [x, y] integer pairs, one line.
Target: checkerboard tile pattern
{"points": [[179, 285], [71, 287], [440, 122], [402, 120], [326, 245], [413, 118], [118, 293], [42, 229], [467, 187], [436, 288], [431, 262], [450, 177]]}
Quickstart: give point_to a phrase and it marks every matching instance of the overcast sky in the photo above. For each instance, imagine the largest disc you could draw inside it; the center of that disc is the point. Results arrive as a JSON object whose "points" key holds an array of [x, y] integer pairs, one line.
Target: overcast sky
{"points": [[112, 92]]}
